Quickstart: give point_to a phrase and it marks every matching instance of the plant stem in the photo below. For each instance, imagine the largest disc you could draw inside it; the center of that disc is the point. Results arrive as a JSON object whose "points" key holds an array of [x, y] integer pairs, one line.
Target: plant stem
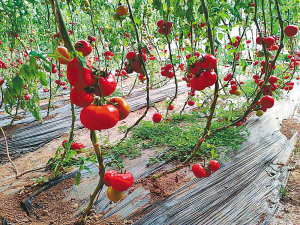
{"points": [[101, 173]]}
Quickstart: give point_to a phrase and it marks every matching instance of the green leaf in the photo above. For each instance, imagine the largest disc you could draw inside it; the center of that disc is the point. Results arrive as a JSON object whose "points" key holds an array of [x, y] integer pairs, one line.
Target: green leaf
{"points": [[220, 36], [26, 72], [244, 65], [78, 178], [189, 12], [233, 40], [18, 83], [188, 48], [43, 78]]}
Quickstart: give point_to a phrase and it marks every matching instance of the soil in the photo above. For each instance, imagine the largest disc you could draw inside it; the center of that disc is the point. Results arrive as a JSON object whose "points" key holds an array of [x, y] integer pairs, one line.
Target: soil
{"points": [[288, 211]]}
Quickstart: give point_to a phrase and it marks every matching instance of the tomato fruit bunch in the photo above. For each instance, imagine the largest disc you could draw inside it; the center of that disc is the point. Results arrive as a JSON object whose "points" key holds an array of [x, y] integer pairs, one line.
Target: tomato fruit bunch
{"points": [[133, 64], [167, 71], [164, 27], [117, 183], [199, 171]]}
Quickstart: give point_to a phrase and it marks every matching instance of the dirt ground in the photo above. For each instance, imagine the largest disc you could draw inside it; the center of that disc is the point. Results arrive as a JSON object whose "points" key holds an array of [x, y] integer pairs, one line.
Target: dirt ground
{"points": [[288, 211]]}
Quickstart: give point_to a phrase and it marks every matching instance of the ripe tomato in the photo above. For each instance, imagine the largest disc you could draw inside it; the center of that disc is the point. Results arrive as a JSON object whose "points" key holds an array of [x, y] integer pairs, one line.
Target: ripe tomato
{"points": [[121, 181], [198, 170], [130, 55], [107, 85], [123, 107], [114, 195], [290, 30], [122, 10], [156, 117], [171, 107], [269, 41], [1, 81], [107, 177], [209, 78], [191, 103], [78, 76], [102, 117], [76, 146], [197, 84], [273, 80], [267, 101], [84, 47], [80, 97], [208, 62], [64, 52], [213, 165]]}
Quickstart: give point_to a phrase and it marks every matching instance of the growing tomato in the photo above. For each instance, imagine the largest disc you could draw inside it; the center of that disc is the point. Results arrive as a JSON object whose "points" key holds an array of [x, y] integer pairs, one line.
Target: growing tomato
{"points": [[191, 103], [123, 107], [198, 170], [76, 146], [64, 52], [213, 165], [107, 85], [107, 177], [208, 62], [84, 47], [78, 76], [267, 101], [122, 10], [290, 30], [114, 195], [80, 97], [102, 117], [156, 117], [121, 181]]}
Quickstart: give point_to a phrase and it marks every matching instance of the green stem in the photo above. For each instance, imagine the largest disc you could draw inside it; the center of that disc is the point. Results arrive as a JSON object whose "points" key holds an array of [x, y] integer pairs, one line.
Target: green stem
{"points": [[101, 173]]}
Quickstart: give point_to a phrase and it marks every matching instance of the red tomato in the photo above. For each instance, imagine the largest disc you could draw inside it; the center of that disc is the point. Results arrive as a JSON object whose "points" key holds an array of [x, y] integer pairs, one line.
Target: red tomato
{"points": [[130, 55], [267, 101], [76, 146], [78, 76], [107, 85], [156, 117], [99, 117], [191, 103], [80, 97], [107, 177], [198, 170], [209, 78], [123, 107], [208, 62], [213, 165], [290, 30], [171, 107], [121, 181], [84, 47], [63, 143]]}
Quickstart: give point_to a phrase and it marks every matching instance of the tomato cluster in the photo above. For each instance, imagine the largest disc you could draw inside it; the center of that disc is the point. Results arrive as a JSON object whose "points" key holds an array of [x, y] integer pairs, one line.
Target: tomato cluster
{"points": [[167, 71], [117, 183], [164, 27], [96, 116], [199, 171]]}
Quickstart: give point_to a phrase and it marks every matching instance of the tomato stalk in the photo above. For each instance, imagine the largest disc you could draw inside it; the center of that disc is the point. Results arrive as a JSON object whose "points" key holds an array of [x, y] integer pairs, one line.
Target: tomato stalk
{"points": [[175, 77], [212, 108], [101, 174], [141, 60]]}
